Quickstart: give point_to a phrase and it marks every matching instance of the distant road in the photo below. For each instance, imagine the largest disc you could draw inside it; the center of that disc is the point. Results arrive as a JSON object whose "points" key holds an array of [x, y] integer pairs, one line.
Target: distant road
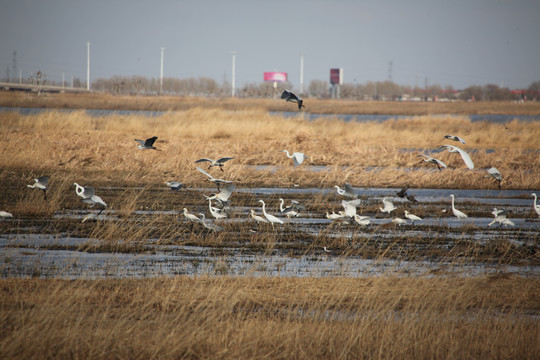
{"points": [[36, 88]]}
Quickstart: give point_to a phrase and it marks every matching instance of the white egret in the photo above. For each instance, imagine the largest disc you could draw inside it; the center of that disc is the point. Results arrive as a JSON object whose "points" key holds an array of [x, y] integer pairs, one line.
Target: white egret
{"points": [[191, 217], [464, 155], [210, 226], [215, 212], [42, 183], [456, 212], [495, 174], [271, 218], [455, 138], [257, 218], [219, 162], [362, 220], [290, 97], [297, 157], [432, 160], [288, 211], [334, 216], [501, 218], [350, 207], [212, 179], [399, 221], [412, 217], [326, 250], [147, 144], [388, 206], [536, 207], [5, 214], [347, 190], [88, 195], [174, 185], [496, 212], [224, 195]]}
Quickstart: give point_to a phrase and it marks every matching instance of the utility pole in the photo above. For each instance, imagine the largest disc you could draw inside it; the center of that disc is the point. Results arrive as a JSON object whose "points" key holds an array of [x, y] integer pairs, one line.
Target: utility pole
{"points": [[14, 68], [88, 65], [161, 73], [233, 72], [301, 73]]}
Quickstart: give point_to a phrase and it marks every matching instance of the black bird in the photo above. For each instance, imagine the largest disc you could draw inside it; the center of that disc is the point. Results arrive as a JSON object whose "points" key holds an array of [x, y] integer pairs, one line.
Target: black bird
{"points": [[147, 144], [290, 97], [403, 192]]}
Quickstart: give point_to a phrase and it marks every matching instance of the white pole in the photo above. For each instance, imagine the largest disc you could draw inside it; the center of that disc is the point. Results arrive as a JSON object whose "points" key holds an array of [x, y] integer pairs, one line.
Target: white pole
{"points": [[88, 66], [233, 72], [63, 80], [161, 73], [301, 73]]}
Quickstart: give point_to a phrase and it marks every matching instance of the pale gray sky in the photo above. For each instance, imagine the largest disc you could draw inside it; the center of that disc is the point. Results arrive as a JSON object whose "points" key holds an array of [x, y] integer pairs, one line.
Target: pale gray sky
{"points": [[457, 42]]}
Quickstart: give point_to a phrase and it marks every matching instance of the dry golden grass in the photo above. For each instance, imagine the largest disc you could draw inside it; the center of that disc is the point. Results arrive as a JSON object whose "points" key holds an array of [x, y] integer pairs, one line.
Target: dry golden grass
{"points": [[101, 150], [271, 318]]}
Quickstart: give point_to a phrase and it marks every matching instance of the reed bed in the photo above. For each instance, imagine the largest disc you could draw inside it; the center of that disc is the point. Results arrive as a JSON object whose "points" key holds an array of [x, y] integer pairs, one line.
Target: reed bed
{"points": [[271, 318]]}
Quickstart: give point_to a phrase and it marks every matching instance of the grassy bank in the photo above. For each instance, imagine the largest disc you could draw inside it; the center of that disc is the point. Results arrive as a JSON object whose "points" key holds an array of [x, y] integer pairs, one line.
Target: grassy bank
{"points": [[262, 318]]}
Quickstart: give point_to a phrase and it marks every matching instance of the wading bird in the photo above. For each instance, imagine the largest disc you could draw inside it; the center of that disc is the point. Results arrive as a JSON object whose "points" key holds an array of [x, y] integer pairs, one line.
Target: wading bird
{"points": [[219, 162], [191, 217], [290, 97], [326, 250], [455, 138], [501, 218], [271, 218], [399, 221], [362, 220], [536, 207], [88, 195], [288, 211], [210, 226], [174, 185], [350, 207], [456, 212], [42, 183], [147, 144], [212, 179], [412, 217], [5, 214], [388, 206], [464, 155], [297, 157], [257, 218], [432, 160], [347, 190], [215, 212], [494, 173]]}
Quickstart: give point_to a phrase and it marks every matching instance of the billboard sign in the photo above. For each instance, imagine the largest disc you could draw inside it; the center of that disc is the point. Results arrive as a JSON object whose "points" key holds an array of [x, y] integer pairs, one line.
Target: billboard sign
{"points": [[336, 76], [275, 76]]}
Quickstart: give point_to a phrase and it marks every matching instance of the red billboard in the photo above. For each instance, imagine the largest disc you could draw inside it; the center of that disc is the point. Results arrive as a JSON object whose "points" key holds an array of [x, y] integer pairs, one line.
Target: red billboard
{"points": [[275, 76], [336, 76]]}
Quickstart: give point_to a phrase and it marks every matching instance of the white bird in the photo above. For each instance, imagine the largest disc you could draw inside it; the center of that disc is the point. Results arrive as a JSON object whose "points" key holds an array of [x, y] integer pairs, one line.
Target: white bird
{"points": [[432, 160], [362, 220], [388, 206], [412, 217], [494, 173], [88, 195], [219, 162], [500, 218], [224, 195], [455, 138], [210, 226], [347, 190], [93, 200], [297, 157], [191, 217], [536, 207], [334, 216], [288, 210], [212, 179], [147, 144], [271, 218], [325, 249], [456, 212], [399, 221], [290, 97], [5, 214], [464, 155], [42, 183], [257, 218], [350, 207], [174, 185], [496, 212], [215, 212], [90, 217]]}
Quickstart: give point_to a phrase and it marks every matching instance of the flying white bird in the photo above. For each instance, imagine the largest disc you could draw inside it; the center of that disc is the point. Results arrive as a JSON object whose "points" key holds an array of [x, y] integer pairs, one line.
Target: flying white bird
{"points": [[271, 218], [347, 190], [350, 207], [455, 138], [432, 160], [388, 206], [456, 212], [42, 183], [297, 157], [147, 144], [412, 217], [464, 155], [290, 97], [494, 173], [212, 179], [500, 218], [219, 162], [88, 195], [224, 195]]}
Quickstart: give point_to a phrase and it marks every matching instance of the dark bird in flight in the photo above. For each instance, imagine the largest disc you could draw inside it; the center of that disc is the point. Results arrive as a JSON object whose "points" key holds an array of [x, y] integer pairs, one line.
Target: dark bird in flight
{"points": [[147, 144], [290, 97]]}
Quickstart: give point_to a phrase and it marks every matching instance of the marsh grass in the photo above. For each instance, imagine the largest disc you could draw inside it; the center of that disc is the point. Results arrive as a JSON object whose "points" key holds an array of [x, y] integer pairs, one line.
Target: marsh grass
{"points": [[255, 318]]}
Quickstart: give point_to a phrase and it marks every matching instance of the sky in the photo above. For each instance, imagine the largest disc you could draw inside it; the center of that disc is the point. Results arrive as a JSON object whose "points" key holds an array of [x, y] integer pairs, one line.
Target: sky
{"points": [[456, 43]]}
